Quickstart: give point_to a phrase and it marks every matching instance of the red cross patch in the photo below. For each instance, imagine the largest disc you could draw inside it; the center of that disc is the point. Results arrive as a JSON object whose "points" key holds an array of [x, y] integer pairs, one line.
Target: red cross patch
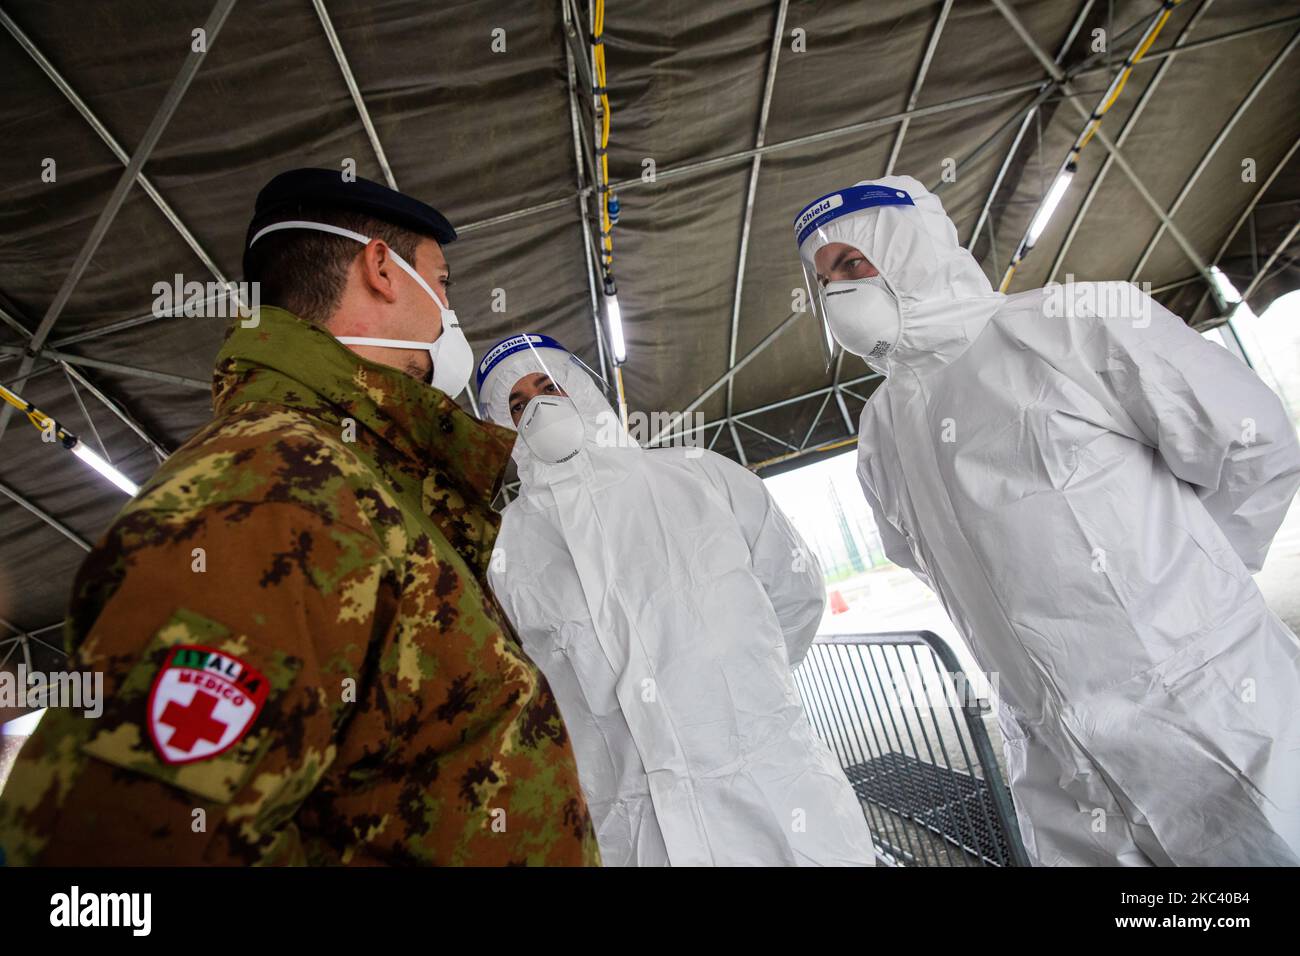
{"points": [[202, 702]]}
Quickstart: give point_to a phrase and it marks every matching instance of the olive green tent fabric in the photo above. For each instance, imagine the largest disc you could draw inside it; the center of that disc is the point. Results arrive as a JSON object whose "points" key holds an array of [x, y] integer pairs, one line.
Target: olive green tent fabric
{"points": [[471, 104]]}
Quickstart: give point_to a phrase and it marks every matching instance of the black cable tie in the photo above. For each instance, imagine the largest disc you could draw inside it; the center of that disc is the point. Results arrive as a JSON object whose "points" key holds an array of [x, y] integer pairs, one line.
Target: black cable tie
{"points": [[599, 90], [601, 151]]}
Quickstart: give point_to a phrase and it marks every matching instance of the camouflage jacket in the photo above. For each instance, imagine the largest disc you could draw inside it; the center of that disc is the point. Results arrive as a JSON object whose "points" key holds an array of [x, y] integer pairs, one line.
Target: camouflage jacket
{"points": [[315, 557]]}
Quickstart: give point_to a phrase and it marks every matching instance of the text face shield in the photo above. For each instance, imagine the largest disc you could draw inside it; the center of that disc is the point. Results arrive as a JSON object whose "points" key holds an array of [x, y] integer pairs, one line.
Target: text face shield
{"points": [[812, 233], [522, 386], [519, 367]]}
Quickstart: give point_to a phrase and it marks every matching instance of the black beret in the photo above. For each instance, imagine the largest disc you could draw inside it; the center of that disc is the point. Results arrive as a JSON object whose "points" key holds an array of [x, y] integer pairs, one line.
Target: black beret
{"points": [[328, 188]]}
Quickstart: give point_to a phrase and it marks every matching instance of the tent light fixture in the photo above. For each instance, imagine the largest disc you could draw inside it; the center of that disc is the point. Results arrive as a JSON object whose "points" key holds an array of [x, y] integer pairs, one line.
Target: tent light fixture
{"points": [[1224, 286], [1050, 202], [82, 451], [614, 315], [47, 424]]}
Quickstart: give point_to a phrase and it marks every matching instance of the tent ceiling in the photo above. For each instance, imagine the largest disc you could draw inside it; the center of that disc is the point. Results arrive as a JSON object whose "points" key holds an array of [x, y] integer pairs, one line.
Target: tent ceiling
{"points": [[484, 135]]}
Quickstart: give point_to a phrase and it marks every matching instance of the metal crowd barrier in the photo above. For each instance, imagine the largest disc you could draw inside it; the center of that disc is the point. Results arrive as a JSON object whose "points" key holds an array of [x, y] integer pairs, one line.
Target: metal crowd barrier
{"points": [[899, 712]]}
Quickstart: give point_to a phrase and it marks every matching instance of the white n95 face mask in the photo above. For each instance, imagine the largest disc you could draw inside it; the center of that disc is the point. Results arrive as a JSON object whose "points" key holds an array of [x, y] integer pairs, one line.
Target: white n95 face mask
{"points": [[450, 353], [552, 428], [864, 316]]}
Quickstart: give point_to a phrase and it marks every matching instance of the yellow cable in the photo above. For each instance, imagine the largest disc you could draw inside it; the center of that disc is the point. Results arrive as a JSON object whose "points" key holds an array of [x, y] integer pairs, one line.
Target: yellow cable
{"points": [[622, 400], [598, 55], [1142, 51], [1006, 278], [33, 414], [1094, 124], [13, 399]]}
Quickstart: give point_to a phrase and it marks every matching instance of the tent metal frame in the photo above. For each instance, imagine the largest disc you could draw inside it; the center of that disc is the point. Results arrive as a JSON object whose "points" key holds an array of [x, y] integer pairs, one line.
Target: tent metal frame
{"points": [[350, 81], [22, 640], [1213, 148], [1058, 83], [1045, 91], [130, 174], [1064, 82], [45, 516], [751, 194], [1130, 124], [584, 160]]}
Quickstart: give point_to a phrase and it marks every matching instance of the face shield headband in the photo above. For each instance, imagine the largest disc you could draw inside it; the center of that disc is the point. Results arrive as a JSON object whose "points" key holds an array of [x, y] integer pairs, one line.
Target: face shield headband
{"points": [[551, 426], [811, 222]]}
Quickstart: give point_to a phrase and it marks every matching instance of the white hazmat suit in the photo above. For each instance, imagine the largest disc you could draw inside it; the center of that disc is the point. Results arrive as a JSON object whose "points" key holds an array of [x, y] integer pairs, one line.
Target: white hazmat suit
{"points": [[666, 598], [1087, 484]]}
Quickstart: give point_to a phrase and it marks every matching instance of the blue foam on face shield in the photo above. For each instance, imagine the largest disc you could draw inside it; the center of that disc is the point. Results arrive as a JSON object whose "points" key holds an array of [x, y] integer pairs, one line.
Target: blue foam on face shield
{"points": [[845, 202], [509, 346]]}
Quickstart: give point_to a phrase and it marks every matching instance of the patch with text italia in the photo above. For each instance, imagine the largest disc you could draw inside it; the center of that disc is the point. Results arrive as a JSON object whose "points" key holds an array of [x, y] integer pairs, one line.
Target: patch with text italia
{"points": [[202, 703]]}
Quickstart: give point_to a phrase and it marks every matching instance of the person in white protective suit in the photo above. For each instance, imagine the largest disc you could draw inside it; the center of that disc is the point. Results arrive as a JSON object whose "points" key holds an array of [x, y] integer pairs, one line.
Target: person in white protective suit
{"points": [[1087, 485], [666, 598]]}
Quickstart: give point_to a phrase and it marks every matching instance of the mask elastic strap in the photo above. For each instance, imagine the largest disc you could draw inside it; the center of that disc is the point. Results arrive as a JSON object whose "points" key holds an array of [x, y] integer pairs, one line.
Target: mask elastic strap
{"points": [[389, 343], [357, 237], [304, 224]]}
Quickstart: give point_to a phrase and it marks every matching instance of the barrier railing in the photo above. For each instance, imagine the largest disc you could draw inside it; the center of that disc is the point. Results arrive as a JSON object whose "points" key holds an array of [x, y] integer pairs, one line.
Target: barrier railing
{"points": [[901, 715]]}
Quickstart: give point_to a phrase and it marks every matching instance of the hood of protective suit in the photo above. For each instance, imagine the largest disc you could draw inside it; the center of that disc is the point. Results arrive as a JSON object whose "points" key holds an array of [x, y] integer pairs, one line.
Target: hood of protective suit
{"points": [[666, 597], [944, 297], [600, 422], [1103, 485]]}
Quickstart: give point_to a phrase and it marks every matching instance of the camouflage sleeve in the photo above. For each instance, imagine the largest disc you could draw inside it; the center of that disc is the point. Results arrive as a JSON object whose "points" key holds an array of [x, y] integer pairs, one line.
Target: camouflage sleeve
{"points": [[228, 647]]}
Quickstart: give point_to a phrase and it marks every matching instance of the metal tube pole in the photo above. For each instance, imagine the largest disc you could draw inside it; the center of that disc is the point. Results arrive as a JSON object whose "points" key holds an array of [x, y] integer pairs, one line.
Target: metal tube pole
{"points": [[165, 112], [752, 192], [45, 516], [355, 91]]}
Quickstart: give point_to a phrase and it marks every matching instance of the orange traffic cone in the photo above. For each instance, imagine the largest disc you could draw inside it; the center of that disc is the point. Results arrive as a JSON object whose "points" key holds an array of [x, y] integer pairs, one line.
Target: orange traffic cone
{"points": [[838, 604]]}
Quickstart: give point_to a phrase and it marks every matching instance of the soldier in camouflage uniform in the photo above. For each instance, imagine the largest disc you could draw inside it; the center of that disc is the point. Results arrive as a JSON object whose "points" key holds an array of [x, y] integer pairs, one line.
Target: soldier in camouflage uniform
{"points": [[303, 663]]}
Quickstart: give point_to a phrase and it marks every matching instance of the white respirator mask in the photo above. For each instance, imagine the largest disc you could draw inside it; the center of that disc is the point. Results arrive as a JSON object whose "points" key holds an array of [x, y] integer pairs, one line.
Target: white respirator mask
{"points": [[864, 316], [450, 353], [552, 428]]}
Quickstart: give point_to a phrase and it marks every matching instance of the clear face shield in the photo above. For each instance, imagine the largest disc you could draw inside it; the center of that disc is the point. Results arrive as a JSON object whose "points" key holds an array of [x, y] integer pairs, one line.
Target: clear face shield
{"points": [[816, 301], [522, 386], [844, 288]]}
